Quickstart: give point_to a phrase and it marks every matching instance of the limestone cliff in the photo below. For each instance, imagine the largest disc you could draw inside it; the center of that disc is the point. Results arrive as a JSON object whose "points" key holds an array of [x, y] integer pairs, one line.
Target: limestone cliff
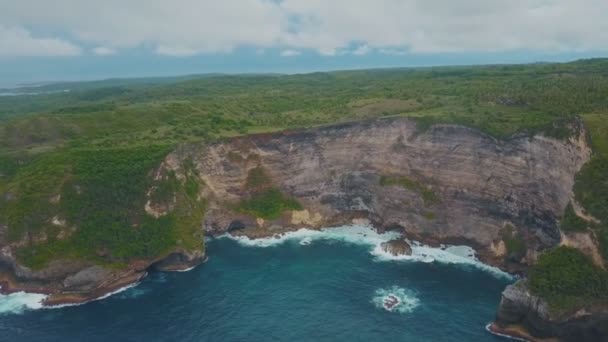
{"points": [[460, 184], [444, 184]]}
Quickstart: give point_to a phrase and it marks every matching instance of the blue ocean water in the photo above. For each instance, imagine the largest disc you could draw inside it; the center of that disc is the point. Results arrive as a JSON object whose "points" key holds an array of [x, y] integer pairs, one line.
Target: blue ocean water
{"points": [[299, 290]]}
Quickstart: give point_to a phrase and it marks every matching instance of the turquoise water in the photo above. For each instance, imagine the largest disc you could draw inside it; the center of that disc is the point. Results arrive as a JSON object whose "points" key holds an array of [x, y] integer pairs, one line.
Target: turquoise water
{"points": [[302, 289]]}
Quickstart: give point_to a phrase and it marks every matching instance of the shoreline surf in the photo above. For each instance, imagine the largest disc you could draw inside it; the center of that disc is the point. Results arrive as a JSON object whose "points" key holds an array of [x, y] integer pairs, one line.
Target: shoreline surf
{"points": [[353, 234]]}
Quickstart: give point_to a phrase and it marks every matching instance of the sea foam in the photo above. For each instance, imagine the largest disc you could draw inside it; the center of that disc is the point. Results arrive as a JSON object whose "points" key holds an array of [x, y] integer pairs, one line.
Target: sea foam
{"points": [[367, 236], [359, 235], [18, 302], [117, 291], [504, 335], [408, 300]]}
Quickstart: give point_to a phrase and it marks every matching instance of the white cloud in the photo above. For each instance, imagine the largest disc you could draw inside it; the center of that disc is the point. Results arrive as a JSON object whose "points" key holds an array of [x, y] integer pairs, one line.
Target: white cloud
{"points": [[393, 52], [362, 50], [190, 27], [290, 53], [103, 51], [331, 51], [18, 42], [175, 51]]}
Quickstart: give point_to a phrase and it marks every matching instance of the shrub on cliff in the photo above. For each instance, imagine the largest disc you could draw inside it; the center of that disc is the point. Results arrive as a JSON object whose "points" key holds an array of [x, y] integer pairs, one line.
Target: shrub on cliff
{"points": [[101, 194], [566, 278], [571, 222], [268, 204]]}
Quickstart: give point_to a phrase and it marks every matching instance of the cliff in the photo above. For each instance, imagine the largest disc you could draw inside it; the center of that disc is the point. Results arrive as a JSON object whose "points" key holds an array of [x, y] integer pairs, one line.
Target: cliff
{"points": [[445, 184], [527, 316]]}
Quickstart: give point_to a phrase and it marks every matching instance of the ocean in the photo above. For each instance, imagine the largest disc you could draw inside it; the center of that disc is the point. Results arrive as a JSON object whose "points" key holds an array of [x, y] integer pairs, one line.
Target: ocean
{"points": [[305, 286]]}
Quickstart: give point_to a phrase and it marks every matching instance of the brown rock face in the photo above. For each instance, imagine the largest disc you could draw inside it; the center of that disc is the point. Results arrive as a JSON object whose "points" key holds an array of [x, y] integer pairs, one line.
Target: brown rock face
{"points": [[476, 183], [68, 282], [397, 247], [529, 314], [180, 261]]}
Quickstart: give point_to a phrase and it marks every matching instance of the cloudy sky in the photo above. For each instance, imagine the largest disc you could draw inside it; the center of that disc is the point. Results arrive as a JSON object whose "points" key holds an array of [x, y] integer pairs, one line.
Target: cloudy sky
{"points": [[84, 39]]}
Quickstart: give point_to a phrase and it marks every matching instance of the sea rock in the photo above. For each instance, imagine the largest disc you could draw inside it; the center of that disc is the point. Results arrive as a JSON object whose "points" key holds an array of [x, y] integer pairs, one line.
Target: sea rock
{"points": [[397, 247]]}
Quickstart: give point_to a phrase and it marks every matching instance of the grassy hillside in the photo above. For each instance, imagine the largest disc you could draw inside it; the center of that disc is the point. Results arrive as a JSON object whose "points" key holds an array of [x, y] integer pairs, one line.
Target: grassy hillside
{"points": [[87, 154]]}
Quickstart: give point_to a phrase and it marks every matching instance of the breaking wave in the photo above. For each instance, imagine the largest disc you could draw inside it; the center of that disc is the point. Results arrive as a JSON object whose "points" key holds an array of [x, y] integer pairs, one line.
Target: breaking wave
{"points": [[18, 302], [367, 236], [406, 299]]}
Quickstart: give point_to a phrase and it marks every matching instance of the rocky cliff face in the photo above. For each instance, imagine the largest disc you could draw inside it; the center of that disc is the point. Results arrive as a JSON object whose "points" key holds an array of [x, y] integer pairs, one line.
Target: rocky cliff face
{"points": [[446, 184], [526, 316], [449, 182], [73, 281]]}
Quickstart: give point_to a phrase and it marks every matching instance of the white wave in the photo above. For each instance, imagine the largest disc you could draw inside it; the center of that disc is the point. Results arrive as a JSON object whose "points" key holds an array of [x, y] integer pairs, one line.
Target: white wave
{"points": [[407, 299], [119, 290], [305, 241], [360, 235], [18, 302], [133, 293], [504, 335], [186, 269], [462, 255], [367, 236]]}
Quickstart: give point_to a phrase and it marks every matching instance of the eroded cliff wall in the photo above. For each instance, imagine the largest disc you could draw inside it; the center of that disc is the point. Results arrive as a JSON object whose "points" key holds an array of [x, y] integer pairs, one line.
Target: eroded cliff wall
{"points": [[459, 182]]}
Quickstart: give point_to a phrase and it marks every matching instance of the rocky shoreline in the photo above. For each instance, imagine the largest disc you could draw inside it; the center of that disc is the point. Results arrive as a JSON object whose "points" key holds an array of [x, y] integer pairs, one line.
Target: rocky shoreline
{"points": [[135, 273], [516, 332], [524, 315], [176, 262]]}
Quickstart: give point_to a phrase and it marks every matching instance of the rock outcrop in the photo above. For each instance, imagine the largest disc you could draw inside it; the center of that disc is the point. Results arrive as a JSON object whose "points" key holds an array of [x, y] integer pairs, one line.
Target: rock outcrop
{"points": [[69, 281], [526, 316], [397, 247]]}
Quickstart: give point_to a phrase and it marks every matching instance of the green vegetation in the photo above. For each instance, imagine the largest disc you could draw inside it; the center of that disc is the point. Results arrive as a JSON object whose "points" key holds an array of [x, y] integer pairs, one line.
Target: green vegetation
{"points": [[257, 178], [265, 201], [103, 193], [428, 196], [86, 156], [516, 246], [429, 215], [566, 279], [268, 204], [591, 187], [572, 222], [499, 100]]}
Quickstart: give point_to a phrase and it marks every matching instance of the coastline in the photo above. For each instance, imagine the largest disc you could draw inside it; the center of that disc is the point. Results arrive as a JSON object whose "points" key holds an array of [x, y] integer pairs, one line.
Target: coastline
{"points": [[482, 254], [60, 299], [515, 332]]}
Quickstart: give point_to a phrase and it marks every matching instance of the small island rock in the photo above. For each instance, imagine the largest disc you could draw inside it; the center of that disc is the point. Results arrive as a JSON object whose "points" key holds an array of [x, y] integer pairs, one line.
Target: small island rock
{"points": [[397, 247]]}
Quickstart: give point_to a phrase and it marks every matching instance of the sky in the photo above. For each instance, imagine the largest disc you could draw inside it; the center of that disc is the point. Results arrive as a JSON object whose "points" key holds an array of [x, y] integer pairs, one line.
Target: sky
{"points": [[44, 40]]}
